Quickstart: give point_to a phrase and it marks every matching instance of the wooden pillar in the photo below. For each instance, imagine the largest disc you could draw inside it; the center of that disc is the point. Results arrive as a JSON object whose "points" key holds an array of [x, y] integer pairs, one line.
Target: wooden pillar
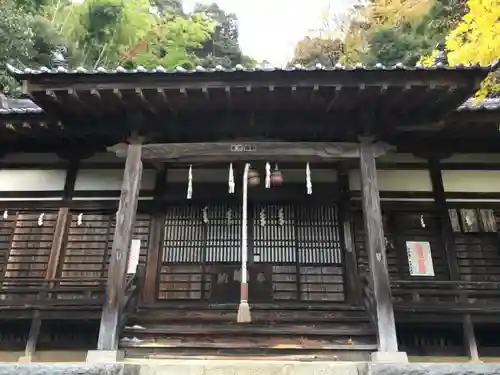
{"points": [[62, 220], [450, 251], [125, 218], [354, 289], [149, 293], [442, 207], [29, 351], [375, 247], [470, 339]]}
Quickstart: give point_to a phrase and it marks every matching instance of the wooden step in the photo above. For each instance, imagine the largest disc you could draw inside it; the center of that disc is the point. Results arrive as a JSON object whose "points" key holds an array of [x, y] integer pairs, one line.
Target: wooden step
{"points": [[233, 343], [347, 354], [360, 329]]}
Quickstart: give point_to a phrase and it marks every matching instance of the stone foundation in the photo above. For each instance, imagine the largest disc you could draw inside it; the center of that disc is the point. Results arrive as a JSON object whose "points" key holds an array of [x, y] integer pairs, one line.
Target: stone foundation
{"points": [[235, 367]]}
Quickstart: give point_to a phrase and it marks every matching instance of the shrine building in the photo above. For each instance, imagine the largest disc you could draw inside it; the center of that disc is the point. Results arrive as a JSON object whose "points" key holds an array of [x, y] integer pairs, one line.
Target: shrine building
{"points": [[346, 213]]}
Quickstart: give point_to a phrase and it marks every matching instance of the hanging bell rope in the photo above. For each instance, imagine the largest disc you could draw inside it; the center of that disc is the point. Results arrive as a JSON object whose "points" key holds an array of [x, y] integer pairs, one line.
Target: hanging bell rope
{"points": [[190, 182], [308, 180], [244, 315], [231, 179], [268, 175]]}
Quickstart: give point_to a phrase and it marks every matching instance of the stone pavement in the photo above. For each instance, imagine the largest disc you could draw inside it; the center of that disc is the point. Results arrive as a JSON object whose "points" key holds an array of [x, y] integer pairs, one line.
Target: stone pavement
{"points": [[227, 367]]}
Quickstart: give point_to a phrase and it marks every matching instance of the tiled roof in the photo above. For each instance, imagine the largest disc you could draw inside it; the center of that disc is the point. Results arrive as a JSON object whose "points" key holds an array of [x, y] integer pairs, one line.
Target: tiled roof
{"points": [[19, 106], [199, 69], [477, 105]]}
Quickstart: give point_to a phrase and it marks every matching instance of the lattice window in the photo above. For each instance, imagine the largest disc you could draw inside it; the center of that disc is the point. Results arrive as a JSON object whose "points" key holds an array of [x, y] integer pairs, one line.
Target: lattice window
{"points": [[274, 234], [184, 240], [318, 240], [223, 234]]}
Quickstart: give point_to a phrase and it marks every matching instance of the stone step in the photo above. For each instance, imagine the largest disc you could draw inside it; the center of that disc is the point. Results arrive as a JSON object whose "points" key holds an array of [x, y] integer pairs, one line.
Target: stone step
{"points": [[245, 367]]}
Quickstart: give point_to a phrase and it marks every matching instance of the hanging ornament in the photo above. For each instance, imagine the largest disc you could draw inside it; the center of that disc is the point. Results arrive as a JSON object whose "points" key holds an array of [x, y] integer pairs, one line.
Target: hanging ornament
{"points": [[268, 175], [422, 222], [79, 219], [40, 219], [6, 214], [190, 183], [276, 176], [253, 178], [262, 217], [229, 216], [204, 212], [281, 216], [231, 179], [308, 180]]}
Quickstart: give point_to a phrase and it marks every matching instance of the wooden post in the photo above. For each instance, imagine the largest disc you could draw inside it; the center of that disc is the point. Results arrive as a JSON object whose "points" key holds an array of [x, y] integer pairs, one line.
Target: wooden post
{"points": [[62, 221], [446, 228], [125, 218], [375, 247], [451, 255], [354, 292], [29, 351], [470, 339], [149, 293]]}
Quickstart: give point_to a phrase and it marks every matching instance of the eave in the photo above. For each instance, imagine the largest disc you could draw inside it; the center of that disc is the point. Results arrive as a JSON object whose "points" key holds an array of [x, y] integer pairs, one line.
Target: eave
{"points": [[382, 94]]}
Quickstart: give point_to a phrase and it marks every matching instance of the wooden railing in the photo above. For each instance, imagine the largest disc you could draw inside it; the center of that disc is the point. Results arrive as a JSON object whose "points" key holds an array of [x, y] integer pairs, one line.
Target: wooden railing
{"points": [[451, 296], [52, 292]]}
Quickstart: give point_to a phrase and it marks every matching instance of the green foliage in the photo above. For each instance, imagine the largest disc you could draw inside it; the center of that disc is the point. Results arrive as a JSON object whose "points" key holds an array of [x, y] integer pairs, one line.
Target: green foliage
{"points": [[222, 48], [109, 33], [324, 51], [16, 42], [407, 42], [476, 40]]}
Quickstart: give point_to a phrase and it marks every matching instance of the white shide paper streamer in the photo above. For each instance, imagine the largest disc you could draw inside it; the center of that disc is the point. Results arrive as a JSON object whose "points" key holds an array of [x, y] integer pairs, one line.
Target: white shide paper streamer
{"points": [[190, 182]]}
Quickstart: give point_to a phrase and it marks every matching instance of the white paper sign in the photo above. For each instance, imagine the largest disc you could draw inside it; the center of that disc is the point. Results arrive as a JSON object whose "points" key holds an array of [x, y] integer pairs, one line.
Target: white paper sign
{"points": [[133, 257], [420, 258]]}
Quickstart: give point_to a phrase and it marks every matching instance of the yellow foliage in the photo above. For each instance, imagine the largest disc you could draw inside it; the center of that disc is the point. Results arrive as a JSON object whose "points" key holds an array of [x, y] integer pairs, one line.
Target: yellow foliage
{"points": [[389, 13], [476, 40]]}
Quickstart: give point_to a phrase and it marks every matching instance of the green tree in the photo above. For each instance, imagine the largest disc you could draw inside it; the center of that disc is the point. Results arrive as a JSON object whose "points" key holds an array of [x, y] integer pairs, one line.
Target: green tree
{"points": [[16, 42], [114, 32], [317, 50], [408, 41], [476, 40], [223, 47]]}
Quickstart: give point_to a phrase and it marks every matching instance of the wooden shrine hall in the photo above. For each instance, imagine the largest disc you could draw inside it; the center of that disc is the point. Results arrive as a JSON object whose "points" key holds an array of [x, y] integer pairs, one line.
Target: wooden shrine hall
{"points": [[294, 213]]}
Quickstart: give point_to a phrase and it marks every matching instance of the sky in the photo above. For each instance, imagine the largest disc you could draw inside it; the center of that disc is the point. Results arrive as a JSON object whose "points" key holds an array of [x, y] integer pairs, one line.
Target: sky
{"points": [[270, 29]]}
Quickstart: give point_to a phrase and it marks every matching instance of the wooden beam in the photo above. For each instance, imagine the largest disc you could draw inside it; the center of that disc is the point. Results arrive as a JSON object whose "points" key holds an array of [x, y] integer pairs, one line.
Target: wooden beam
{"points": [[354, 287], [30, 348], [444, 216], [125, 218], [470, 339], [155, 243], [244, 151], [375, 247]]}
